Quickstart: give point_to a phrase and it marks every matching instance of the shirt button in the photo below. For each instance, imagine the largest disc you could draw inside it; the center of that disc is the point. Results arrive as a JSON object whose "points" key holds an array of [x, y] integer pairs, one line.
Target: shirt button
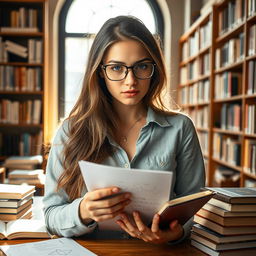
{"points": [[126, 165]]}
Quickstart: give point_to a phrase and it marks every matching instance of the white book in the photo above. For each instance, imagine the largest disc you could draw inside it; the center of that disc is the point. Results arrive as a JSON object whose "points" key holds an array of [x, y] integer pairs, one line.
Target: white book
{"points": [[18, 30], [15, 51], [150, 189], [16, 46], [37, 106]]}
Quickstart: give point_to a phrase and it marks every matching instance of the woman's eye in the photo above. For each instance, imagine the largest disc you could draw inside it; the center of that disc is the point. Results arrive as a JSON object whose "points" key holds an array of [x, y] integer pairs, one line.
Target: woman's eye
{"points": [[142, 66], [116, 68]]}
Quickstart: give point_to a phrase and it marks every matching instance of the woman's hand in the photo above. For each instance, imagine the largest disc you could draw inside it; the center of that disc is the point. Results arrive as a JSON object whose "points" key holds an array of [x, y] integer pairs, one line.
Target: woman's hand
{"points": [[151, 234], [103, 204]]}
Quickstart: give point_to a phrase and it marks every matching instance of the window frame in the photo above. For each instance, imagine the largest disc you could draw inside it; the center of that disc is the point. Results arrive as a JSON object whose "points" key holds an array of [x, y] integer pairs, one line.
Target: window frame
{"points": [[62, 35]]}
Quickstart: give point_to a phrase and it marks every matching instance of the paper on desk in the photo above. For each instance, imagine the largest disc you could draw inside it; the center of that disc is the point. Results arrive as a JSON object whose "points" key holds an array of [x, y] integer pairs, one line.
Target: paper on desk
{"points": [[53, 247], [150, 189]]}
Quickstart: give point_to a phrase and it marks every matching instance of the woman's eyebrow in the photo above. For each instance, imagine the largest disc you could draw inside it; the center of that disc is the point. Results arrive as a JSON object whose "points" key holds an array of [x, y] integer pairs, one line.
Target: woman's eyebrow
{"points": [[123, 63]]}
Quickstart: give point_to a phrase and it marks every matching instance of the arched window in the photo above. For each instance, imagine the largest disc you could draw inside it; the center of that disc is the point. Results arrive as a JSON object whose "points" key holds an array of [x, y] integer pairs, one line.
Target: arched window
{"points": [[79, 21]]}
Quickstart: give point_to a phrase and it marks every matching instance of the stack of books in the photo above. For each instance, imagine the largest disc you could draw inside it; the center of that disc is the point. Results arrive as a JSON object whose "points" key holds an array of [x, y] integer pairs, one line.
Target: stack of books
{"points": [[23, 162], [226, 225], [16, 201], [30, 177]]}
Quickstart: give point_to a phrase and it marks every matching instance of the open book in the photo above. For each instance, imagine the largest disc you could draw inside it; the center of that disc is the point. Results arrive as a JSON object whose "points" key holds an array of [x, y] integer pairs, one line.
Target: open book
{"points": [[23, 228], [150, 192], [183, 208]]}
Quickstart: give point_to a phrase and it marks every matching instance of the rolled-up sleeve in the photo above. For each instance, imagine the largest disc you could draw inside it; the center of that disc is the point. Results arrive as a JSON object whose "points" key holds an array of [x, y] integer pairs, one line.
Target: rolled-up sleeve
{"points": [[61, 215]]}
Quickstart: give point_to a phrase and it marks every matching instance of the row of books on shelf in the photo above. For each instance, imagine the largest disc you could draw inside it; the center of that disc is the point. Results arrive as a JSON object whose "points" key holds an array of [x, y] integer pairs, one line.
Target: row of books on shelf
{"points": [[21, 20], [227, 84], [226, 224], [227, 149], [231, 52], [199, 67], [252, 40], [20, 112], [200, 117], [30, 50], [251, 77], [196, 93], [251, 7], [203, 139], [250, 156], [230, 117], [231, 16], [198, 41], [250, 118], [24, 144], [20, 79]]}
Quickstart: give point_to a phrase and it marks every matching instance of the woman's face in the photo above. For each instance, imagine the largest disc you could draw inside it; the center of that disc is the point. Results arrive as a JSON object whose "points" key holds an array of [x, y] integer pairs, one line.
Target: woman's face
{"points": [[130, 90]]}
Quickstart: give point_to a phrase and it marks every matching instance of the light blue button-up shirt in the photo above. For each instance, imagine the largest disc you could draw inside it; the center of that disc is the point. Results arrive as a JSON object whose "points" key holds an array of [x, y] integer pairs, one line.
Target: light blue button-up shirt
{"points": [[166, 142]]}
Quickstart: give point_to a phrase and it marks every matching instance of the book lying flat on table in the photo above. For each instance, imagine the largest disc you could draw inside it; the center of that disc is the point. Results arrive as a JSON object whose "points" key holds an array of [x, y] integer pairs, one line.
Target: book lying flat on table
{"points": [[237, 252], [237, 230], [235, 195], [218, 238], [223, 246], [8, 191], [147, 196], [15, 203], [23, 228], [228, 221], [233, 207], [226, 213], [23, 214]]}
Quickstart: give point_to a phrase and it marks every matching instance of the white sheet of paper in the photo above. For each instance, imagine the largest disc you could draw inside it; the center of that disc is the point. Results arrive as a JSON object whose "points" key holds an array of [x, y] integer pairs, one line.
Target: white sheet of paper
{"points": [[150, 188], [59, 246]]}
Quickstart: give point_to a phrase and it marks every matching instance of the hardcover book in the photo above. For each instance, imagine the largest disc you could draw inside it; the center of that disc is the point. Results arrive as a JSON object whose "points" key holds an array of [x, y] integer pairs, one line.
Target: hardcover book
{"points": [[218, 238], [223, 246], [183, 208], [235, 195], [237, 230], [209, 251], [226, 213], [227, 221], [8, 191], [233, 207]]}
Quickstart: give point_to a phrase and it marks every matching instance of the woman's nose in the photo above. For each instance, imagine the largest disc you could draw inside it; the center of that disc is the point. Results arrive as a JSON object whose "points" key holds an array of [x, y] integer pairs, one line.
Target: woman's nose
{"points": [[130, 78]]}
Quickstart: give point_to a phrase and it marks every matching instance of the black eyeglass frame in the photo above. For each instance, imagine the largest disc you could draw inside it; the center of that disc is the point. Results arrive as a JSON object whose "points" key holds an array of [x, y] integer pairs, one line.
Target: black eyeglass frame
{"points": [[104, 66]]}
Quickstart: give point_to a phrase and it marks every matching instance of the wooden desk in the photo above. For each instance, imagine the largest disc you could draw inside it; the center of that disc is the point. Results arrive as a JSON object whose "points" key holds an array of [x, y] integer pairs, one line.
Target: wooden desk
{"points": [[127, 247]]}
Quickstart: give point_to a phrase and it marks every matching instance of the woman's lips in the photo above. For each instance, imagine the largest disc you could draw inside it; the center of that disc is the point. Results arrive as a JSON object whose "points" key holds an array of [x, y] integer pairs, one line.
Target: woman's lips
{"points": [[131, 93]]}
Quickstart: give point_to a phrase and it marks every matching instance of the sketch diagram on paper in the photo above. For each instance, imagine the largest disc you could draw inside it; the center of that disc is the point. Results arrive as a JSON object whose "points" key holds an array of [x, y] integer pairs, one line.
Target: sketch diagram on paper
{"points": [[61, 252]]}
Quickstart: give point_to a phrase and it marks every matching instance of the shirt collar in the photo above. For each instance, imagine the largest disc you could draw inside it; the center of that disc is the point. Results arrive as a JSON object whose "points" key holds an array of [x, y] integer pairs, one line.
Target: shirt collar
{"points": [[158, 118]]}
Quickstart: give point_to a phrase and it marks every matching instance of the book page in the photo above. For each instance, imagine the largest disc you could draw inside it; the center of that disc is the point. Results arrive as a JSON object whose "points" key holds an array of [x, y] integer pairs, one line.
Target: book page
{"points": [[2, 230], [25, 226], [60, 246], [150, 189]]}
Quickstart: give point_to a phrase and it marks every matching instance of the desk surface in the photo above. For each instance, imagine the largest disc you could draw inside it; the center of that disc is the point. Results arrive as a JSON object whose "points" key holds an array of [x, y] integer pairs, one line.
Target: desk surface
{"points": [[126, 247]]}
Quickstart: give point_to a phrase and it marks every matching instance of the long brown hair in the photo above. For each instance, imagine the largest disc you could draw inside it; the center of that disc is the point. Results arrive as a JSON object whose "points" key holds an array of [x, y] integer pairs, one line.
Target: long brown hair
{"points": [[92, 117]]}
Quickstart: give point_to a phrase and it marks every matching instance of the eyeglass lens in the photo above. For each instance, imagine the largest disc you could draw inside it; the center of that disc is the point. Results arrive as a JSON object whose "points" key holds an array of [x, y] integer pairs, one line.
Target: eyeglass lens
{"points": [[119, 72]]}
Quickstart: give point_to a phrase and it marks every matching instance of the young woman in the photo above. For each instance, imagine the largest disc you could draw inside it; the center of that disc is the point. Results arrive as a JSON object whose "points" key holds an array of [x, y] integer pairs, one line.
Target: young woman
{"points": [[120, 120]]}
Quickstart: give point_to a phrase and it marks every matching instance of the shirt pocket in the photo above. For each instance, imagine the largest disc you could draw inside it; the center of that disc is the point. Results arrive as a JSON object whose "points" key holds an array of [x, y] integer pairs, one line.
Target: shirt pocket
{"points": [[161, 162]]}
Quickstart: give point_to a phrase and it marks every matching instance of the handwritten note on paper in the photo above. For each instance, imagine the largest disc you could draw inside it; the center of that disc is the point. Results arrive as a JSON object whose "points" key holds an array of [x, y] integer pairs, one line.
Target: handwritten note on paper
{"points": [[150, 189], [53, 247]]}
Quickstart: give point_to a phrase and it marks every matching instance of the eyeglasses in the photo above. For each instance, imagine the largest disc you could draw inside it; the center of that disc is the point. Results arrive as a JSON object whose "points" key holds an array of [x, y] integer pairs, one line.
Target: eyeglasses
{"points": [[118, 72]]}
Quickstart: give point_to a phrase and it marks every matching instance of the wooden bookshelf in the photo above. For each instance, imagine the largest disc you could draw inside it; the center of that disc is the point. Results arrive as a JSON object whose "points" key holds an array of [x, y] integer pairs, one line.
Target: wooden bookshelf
{"points": [[223, 108], [22, 72]]}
